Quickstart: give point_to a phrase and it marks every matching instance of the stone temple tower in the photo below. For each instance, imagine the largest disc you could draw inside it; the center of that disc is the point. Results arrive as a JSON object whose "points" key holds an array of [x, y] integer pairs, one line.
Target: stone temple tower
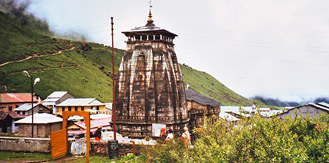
{"points": [[150, 89]]}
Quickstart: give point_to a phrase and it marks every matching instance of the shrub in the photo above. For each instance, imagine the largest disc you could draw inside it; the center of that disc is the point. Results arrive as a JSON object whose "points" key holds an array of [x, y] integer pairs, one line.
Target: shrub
{"points": [[253, 139]]}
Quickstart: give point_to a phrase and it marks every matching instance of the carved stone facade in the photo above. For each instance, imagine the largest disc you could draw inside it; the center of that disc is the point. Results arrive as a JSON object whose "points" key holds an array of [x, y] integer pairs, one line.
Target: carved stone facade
{"points": [[150, 88]]}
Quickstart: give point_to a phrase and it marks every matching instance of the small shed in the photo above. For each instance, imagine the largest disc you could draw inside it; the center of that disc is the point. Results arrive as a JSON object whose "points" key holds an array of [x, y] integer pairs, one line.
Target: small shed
{"points": [[7, 121], [43, 125], [199, 106]]}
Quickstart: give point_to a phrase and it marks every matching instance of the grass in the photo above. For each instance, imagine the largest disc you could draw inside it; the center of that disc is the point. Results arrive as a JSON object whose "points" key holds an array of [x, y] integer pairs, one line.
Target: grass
{"points": [[46, 157], [16, 156]]}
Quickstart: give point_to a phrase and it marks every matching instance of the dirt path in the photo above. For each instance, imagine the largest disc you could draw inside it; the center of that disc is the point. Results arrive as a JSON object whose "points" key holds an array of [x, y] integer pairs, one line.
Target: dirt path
{"points": [[36, 56]]}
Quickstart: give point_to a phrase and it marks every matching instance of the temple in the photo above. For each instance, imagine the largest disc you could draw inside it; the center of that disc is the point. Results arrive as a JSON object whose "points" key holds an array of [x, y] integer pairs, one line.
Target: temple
{"points": [[150, 88]]}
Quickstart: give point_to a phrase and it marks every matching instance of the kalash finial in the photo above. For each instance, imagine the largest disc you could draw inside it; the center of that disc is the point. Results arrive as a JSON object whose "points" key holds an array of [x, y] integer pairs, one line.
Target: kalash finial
{"points": [[150, 20]]}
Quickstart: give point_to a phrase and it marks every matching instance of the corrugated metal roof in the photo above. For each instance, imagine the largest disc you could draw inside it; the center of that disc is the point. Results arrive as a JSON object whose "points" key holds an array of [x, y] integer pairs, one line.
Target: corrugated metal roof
{"points": [[28, 106], [92, 116], [199, 98], [24, 107], [227, 116], [324, 104], [16, 97], [46, 103], [94, 123], [50, 99], [57, 94], [40, 118], [80, 102]]}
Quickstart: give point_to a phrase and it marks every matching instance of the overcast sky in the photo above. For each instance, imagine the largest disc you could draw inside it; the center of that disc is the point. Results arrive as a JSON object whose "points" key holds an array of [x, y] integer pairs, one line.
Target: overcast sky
{"points": [[273, 48]]}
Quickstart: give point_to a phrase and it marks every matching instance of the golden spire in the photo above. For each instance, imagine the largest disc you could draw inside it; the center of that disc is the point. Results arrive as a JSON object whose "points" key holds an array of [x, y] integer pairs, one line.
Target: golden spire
{"points": [[150, 17], [150, 20]]}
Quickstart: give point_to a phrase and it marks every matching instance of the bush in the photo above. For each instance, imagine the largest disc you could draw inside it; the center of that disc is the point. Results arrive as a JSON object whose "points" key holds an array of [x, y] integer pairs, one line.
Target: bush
{"points": [[253, 139]]}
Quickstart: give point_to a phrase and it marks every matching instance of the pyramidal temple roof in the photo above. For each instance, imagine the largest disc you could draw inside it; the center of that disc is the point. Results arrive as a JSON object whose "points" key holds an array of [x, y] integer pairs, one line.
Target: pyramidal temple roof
{"points": [[150, 26]]}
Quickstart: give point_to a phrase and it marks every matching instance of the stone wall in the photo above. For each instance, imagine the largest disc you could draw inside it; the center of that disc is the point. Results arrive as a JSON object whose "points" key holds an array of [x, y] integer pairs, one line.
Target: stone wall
{"points": [[100, 147], [25, 144], [43, 145], [39, 130]]}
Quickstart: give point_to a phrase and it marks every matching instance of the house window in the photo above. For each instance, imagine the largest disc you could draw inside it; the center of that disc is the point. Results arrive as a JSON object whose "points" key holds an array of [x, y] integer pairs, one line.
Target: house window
{"points": [[10, 108], [76, 108], [97, 107], [69, 108], [16, 106], [82, 108]]}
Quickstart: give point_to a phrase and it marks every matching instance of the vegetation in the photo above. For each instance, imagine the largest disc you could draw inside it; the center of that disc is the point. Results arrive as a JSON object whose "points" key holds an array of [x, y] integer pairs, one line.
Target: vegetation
{"points": [[16, 156], [301, 139]]}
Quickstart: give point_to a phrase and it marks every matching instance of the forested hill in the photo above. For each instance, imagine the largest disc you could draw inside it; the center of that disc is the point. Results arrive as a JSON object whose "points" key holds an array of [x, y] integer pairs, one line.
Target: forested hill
{"points": [[82, 68]]}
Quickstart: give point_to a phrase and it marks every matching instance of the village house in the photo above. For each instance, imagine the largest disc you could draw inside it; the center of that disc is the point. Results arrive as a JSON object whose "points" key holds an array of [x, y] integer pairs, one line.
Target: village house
{"points": [[25, 109], [43, 125], [199, 106], [56, 98], [7, 120], [81, 104], [10, 101], [311, 109], [235, 113]]}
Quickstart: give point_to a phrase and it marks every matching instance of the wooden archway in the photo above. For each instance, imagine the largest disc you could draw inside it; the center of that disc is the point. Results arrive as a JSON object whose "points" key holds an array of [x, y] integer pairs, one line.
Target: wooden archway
{"points": [[59, 139]]}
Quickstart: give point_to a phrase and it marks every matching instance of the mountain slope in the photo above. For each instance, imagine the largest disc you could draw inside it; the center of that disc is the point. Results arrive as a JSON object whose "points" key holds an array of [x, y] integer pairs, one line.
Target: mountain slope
{"points": [[83, 69], [207, 85]]}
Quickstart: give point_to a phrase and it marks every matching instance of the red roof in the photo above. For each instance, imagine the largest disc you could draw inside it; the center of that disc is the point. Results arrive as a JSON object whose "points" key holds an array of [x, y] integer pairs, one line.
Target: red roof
{"points": [[94, 123], [16, 98], [84, 131]]}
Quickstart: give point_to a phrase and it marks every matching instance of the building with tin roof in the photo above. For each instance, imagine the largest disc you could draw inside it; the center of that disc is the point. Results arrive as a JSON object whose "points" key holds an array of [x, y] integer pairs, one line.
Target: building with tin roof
{"points": [[10, 101], [56, 98], [26, 109], [311, 109], [43, 125], [81, 104]]}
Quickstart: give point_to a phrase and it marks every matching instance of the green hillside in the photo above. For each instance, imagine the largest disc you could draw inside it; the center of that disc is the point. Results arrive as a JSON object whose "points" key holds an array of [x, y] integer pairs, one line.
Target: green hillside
{"points": [[207, 85], [83, 69]]}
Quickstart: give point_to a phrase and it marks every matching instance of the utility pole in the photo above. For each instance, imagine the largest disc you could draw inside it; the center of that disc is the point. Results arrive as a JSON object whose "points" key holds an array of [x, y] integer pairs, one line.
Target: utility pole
{"points": [[113, 87], [32, 102]]}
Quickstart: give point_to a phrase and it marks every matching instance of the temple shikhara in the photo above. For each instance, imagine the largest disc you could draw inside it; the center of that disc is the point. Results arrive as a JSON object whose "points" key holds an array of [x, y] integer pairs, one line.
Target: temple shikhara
{"points": [[150, 88]]}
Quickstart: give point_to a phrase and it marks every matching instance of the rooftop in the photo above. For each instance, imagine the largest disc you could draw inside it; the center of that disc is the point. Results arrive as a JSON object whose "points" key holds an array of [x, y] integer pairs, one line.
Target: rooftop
{"points": [[40, 118], [150, 26], [26, 107], [81, 102], [3, 115], [16, 97], [57, 94], [199, 98]]}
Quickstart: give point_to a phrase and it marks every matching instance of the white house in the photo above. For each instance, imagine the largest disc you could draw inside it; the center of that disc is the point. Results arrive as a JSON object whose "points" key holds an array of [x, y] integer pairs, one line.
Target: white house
{"points": [[56, 98]]}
